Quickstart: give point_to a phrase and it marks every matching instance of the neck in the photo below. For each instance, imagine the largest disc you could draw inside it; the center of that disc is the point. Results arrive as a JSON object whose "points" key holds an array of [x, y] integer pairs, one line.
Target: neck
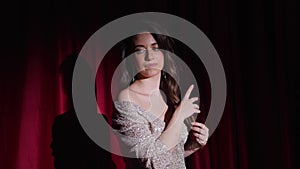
{"points": [[149, 84]]}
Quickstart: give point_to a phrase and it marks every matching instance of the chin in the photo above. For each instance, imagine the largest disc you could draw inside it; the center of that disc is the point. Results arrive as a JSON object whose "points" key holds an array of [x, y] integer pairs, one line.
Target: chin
{"points": [[150, 73]]}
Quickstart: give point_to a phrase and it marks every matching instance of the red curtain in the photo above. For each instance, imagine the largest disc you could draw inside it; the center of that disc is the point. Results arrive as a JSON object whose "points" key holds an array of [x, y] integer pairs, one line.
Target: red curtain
{"points": [[255, 41]]}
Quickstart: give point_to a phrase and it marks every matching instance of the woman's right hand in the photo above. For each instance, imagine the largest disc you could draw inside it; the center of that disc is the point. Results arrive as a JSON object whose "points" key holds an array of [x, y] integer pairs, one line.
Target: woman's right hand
{"points": [[187, 107]]}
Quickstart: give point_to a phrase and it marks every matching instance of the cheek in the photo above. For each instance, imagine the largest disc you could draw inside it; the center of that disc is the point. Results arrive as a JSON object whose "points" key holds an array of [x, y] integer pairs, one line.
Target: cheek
{"points": [[139, 63], [162, 60]]}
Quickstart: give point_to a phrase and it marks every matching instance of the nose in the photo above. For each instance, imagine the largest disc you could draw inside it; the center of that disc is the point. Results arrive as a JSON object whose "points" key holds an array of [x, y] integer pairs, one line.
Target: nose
{"points": [[149, 55]]}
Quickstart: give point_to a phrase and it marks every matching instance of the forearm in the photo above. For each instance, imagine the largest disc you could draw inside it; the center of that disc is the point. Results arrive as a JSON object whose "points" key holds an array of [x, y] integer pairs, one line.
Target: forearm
{"points": [[170, 137]]}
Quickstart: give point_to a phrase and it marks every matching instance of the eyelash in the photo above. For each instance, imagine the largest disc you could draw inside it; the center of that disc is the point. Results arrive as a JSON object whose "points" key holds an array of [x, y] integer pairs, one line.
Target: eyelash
{"points": [[141, 51]]}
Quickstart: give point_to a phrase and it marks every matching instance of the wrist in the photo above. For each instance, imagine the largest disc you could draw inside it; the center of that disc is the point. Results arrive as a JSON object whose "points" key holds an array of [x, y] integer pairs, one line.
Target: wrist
{"points": [[178, 116]]}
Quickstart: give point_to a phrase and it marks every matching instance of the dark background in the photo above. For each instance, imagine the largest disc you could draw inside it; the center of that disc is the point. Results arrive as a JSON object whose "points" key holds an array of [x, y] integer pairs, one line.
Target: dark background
{"points": [[257, 42]]}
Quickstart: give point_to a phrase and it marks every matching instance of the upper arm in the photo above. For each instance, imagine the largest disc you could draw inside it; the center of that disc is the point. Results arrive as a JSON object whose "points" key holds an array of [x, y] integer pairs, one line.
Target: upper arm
{"points": [[137, 137], [123, 95]]}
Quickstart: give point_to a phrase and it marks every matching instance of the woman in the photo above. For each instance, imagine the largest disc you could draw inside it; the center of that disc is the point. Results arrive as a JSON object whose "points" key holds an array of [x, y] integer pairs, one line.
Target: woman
{"points": [[152, 122]]}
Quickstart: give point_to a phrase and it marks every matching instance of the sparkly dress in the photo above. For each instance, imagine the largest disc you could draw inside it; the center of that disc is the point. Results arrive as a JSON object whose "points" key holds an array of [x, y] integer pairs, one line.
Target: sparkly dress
{"points": [[142, 130]]}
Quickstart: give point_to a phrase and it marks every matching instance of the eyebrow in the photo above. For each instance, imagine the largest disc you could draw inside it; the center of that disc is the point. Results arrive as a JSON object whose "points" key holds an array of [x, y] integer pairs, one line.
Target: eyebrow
{"points": [[153, 44]]}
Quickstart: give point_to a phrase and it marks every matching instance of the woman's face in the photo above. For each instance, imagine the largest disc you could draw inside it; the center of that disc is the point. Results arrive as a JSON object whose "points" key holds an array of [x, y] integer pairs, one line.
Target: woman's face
{"points": [[149, 58]]}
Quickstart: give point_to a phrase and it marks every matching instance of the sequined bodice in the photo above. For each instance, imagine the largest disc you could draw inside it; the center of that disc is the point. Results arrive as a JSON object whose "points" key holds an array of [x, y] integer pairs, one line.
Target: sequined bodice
{"points": [[143, 129]]}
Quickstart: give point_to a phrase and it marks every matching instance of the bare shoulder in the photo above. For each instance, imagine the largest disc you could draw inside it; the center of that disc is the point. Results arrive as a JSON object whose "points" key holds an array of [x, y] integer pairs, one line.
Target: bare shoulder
{"points": [[123, 95]]}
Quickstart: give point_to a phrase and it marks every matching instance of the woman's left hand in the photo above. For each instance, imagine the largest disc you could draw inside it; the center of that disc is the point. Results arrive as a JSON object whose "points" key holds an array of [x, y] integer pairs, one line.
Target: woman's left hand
{"points": [[201, 133]]}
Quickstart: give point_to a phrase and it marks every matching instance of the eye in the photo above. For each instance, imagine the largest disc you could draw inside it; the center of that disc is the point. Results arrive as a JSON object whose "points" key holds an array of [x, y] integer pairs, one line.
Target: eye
{"points": [[140, 51], [156, 49]]}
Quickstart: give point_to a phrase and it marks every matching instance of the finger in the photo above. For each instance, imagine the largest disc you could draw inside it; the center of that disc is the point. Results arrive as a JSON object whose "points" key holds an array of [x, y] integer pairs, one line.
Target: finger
{"points": [[203, 134], [194, 99], [196, 129], [199, 139], [197, 111], [199, 130], [197, 135], [188, 92], [196, 106], [200, 136], [201, 142], [199, 125], [202, 126]]}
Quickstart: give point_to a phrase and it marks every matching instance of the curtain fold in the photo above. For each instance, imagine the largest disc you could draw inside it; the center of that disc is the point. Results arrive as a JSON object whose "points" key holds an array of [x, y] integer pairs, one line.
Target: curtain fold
{"points": [[256, 42]]}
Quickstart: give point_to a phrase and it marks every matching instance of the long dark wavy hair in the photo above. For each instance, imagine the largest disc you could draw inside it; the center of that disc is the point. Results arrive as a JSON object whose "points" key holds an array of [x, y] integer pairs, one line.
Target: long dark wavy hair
{"points": [[168, 84]]}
